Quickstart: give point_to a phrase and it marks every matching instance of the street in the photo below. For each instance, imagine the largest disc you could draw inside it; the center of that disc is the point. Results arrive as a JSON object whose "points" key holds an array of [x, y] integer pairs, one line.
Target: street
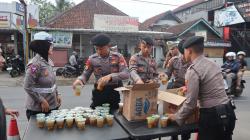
{"points": [[14, 97]]}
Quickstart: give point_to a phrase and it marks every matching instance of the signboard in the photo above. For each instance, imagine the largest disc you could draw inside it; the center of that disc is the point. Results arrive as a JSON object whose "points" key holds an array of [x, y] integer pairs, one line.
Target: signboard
{"points": [[60, 39], [244, 9], [227, 16], [4, 20], [217, 44], [19, 7], [32, 16], [202, 33], [115, 23]]}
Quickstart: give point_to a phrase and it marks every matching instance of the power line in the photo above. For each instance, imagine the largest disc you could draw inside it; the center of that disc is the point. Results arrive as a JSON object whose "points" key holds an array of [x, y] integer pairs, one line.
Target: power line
{"points": [[154, 2]]}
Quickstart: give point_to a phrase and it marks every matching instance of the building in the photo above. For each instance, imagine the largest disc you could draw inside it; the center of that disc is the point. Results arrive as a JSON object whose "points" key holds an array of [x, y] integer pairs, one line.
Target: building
{"points": [[73, 29], [12, 26], [214, 44]]}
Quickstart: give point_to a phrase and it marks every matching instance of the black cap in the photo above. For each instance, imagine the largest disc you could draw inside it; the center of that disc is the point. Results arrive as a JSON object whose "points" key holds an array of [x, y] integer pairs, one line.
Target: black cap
{"points": [[148, 40], [100, 40], [192, 41], [180, 46]]}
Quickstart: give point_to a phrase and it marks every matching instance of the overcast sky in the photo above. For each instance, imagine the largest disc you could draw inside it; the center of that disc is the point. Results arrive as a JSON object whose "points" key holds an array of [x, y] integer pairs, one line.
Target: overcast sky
{"points": [[138, 9]]}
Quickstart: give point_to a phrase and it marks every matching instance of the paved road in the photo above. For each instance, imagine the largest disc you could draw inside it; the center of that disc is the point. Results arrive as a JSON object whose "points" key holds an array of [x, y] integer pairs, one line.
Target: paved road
{"points": [[14, 97]]}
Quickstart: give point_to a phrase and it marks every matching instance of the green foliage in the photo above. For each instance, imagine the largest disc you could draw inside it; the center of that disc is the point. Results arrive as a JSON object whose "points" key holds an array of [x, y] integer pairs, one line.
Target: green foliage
{"points": [[47, 9]]}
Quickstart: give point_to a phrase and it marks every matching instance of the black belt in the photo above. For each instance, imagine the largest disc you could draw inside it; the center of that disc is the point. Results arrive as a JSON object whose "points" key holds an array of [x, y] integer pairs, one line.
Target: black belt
{"points": [[213, 109]]}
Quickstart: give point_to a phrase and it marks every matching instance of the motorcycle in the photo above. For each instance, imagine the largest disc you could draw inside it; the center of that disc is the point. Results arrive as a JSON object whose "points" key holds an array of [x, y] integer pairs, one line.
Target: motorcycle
{"points": [[15, 66], [232, 90], [69, 71]]}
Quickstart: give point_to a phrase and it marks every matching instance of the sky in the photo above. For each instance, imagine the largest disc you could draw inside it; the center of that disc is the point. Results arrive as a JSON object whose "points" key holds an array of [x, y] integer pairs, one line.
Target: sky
{"points": [[137, 9]]}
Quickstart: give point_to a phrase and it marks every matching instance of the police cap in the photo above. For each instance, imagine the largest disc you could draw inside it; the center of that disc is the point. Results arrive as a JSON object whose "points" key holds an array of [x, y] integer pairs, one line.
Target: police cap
{"points": [[194, 40], [100, 40], [148, 40], [180, 46]]}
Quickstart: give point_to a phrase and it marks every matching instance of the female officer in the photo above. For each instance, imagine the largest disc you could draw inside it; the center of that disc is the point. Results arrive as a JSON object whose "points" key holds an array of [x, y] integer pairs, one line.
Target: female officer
{"points": [[39, 83]]}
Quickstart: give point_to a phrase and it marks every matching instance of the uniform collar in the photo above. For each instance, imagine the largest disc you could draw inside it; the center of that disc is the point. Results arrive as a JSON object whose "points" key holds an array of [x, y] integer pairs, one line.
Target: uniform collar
{"points": [[140, 53], [41, 58], [198, 59]]}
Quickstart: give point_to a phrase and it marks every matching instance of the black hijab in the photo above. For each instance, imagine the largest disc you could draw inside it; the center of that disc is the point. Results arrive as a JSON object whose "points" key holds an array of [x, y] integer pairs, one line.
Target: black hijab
{"points": [[41, 47]]}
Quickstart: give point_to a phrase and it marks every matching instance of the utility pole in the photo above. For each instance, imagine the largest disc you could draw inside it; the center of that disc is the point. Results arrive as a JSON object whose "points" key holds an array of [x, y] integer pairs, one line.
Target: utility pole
{"points": [[25, 34]]}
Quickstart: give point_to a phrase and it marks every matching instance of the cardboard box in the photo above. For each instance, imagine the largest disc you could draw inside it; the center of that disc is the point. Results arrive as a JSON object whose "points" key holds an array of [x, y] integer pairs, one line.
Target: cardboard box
{"points": [[139, 101], [172, 102]]}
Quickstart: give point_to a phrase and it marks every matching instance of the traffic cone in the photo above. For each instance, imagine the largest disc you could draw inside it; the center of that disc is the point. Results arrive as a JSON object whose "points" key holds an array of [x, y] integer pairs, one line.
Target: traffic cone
{"points": [[13, 132]]}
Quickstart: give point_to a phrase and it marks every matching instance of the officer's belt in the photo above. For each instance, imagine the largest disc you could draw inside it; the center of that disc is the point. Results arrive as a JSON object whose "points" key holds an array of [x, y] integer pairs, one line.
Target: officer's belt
{"points": [[213, 109], [44, 90]]}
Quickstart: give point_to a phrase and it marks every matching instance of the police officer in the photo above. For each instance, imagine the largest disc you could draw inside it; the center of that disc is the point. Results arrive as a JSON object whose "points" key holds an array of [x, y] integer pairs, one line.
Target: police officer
{"points": [[40, 80], [205, 85], [109, 68], [177, 68], [142, 65]]}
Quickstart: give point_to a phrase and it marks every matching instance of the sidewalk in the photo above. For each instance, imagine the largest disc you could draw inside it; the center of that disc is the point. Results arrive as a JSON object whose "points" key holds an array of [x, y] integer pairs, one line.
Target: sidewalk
{"points": [[7, 81]]}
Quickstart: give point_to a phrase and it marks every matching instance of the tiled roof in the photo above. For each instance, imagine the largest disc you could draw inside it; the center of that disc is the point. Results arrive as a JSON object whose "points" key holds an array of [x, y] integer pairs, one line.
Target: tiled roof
{"points": [[187, 5], [82, 15]]}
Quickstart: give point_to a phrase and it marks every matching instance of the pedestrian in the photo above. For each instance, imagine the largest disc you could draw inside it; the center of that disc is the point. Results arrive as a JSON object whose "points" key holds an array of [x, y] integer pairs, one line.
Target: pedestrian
{"points": [[109, 68], [243, 66], [5, 111], [40, 80], [2, 60], [176, 69], [142, 66], [205, 82], [73, 59]]}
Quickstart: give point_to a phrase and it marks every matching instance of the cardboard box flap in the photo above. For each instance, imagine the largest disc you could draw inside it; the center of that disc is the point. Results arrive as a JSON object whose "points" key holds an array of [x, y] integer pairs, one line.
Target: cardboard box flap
{"points": [[171, 98], [121, 89], [147, 86]]}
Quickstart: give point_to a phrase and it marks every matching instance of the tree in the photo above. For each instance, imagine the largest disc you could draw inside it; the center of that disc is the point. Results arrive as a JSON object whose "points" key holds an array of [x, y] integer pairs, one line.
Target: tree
{"points": [[48, 10], [63, 5]]}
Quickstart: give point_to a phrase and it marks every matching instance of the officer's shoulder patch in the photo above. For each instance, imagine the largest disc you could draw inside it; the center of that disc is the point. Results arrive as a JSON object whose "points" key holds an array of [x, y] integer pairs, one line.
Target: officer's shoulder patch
{"points": [[34, 67]]}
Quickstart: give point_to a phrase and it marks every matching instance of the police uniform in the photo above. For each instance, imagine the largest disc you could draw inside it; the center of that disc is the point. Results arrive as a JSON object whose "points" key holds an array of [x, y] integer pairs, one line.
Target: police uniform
{"points": [[205, 85], [142, 68], [40, 84], [113, 64]]}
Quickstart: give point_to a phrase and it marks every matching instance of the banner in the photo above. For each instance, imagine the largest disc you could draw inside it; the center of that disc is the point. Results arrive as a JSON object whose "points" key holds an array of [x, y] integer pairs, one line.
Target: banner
{"points": [[227, 16], [115, 23], [4, 20], [60, 39]]}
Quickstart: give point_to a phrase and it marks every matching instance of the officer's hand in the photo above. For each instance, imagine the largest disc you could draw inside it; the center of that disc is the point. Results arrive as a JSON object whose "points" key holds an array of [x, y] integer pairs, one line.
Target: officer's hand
{"points": [[139, 82], [104, 80], [171, 117], [59, 100], [228, 70], [77, 82], [11, 112], [45, 106]]}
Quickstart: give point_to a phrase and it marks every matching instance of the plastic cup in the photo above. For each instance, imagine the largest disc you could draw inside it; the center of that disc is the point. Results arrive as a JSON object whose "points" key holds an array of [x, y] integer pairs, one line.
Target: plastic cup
{"points": [[164, 122], [60, 123], [120, 107], [92, 120], [69, 122], [164, 80], [150, 122], [81, 123], [40, 122], [110, 119], [78, 90], [100, 121], [50, 123], [156, 119]]}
